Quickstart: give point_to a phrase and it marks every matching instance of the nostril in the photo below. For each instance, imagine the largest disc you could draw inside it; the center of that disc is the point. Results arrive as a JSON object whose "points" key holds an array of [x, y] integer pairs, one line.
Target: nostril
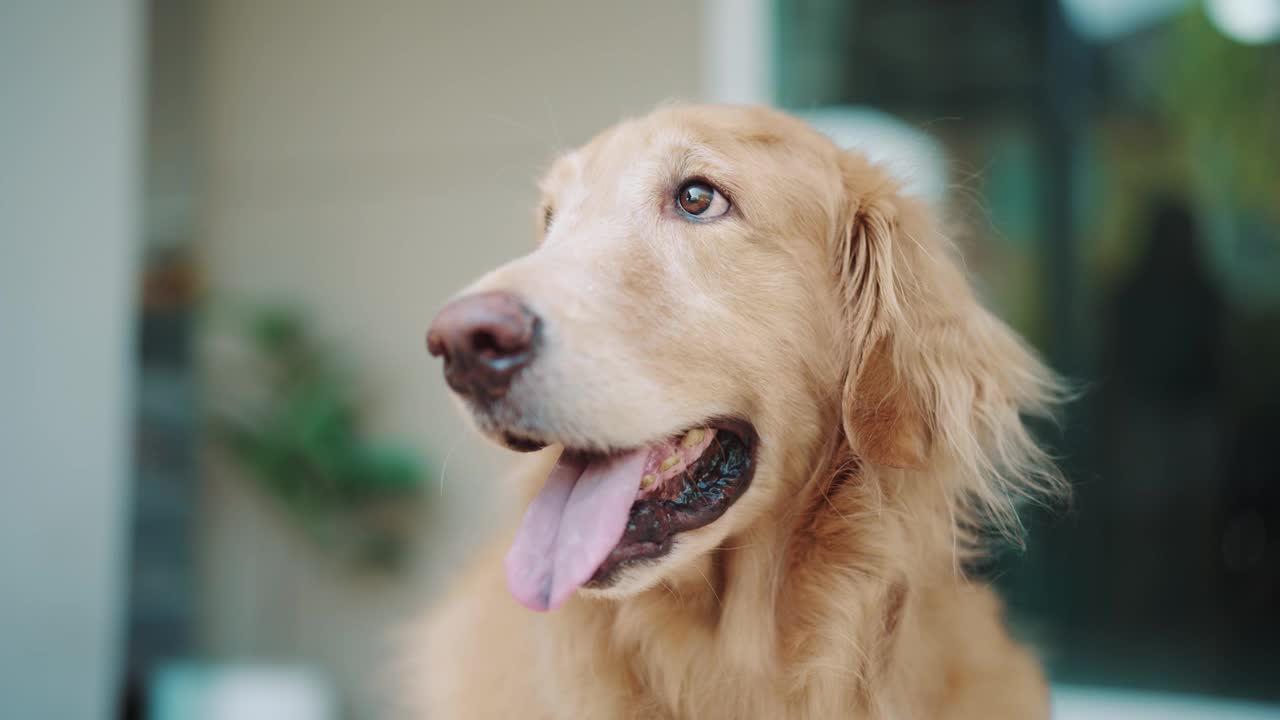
{"points": [[485, 343]]}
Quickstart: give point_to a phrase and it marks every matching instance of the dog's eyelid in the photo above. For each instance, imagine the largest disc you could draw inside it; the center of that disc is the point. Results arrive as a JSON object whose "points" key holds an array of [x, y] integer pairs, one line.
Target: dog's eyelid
{"points": [[717, 180]]}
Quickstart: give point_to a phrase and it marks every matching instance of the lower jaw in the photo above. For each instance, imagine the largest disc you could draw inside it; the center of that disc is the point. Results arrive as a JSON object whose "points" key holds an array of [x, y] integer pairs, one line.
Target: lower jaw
{"points": [[626, 557], [711, 488]]}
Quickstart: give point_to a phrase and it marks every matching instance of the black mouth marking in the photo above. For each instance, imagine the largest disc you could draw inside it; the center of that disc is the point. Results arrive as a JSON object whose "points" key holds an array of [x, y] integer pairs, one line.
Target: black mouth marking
{"points": [[520, 443], [708, 488]]}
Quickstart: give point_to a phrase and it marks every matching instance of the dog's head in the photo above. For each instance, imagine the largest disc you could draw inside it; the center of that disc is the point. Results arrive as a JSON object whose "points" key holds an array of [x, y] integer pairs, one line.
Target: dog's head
{"points": [[716, 291]]}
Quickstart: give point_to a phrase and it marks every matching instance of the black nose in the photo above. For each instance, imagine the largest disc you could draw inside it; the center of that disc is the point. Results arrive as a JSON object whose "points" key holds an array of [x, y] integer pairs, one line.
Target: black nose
{"points": [[485, 339]]}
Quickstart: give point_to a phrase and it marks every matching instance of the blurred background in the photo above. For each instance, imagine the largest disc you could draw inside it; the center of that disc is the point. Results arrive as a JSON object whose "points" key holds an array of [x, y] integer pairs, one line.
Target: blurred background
{"points": [[233, 478]]}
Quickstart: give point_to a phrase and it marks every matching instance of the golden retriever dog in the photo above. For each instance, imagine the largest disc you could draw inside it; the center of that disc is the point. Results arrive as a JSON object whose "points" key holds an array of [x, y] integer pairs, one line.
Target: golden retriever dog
{"points": [[772, 424]]}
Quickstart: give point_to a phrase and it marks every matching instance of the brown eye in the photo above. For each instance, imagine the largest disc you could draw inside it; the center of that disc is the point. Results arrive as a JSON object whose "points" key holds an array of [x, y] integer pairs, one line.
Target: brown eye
{"points": [[698, 199]]}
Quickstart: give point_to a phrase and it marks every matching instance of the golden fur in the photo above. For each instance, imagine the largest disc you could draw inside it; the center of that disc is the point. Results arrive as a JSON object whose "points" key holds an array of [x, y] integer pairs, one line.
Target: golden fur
{"points": [[829, 310]]}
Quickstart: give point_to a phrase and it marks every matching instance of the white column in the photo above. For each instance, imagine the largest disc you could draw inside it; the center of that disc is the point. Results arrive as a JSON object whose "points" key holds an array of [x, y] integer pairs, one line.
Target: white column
{"points": [[737, 48], [70, 78]]}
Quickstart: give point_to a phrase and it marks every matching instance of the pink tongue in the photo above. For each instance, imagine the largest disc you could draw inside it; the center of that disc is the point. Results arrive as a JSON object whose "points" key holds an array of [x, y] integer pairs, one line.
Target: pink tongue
{"points": [[571, 527]]}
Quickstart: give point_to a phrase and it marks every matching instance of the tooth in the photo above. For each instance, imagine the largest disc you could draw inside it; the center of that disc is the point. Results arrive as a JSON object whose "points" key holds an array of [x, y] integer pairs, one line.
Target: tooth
{"points": [[647, 481], [669, 463], [694, 437]]}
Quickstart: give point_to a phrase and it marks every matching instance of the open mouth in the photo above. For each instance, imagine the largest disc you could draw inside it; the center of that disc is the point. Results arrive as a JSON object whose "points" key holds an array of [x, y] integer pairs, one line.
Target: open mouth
{"points": [[600, 512]]}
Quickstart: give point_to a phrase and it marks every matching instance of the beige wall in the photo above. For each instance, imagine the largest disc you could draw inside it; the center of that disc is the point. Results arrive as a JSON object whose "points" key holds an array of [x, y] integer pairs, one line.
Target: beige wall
{"points": [[368, 159]]}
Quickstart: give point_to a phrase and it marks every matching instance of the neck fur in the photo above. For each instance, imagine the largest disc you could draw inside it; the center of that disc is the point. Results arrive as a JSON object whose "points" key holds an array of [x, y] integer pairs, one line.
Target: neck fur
{"points": [[803, 608]]}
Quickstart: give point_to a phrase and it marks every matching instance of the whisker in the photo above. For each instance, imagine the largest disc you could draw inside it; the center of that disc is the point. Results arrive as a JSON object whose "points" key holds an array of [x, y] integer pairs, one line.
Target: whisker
{"points": [[709, 585], [674, 593], [444, 465]]}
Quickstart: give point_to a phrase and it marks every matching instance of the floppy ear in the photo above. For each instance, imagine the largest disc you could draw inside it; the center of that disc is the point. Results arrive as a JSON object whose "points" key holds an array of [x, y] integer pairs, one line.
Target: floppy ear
{"points": [[882, 416], [935, 380], [881, 419]]}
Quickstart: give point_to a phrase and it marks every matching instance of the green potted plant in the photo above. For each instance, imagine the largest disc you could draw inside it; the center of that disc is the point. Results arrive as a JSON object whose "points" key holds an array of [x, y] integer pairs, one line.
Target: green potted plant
{"points": [[302, 437]]}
